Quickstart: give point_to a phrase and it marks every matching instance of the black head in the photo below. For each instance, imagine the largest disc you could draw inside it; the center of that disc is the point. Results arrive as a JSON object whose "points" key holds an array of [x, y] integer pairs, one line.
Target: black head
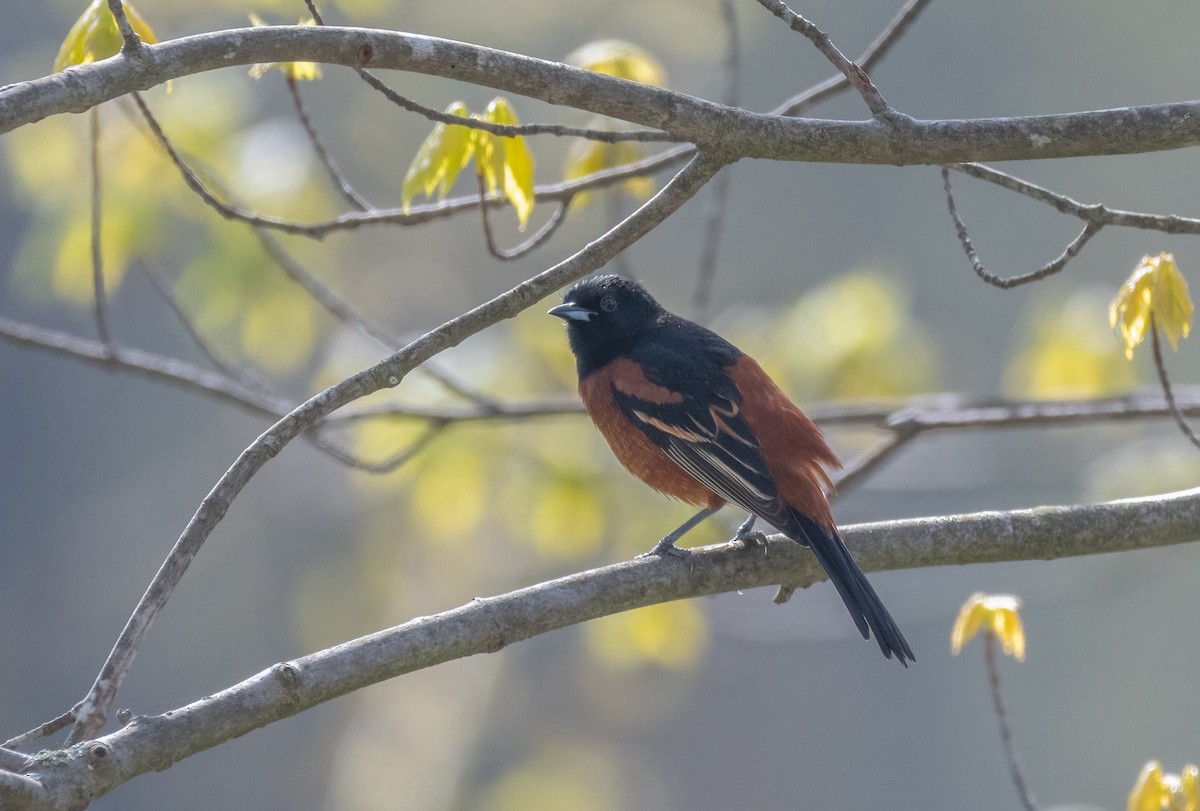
{"points": [[605, 316]]}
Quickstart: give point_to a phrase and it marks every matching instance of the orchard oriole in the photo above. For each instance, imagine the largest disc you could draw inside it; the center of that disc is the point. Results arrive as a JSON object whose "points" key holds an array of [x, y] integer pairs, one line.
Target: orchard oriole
{"points": [[695, 418]]}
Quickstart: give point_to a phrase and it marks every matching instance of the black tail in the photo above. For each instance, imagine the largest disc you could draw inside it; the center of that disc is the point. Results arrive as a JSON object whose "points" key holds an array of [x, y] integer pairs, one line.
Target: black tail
{"points": [[865, 606]]}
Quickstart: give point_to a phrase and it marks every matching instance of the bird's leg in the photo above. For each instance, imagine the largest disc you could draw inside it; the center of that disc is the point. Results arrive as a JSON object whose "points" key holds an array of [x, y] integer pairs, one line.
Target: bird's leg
{"points": [[667, 545], [747, 534]]}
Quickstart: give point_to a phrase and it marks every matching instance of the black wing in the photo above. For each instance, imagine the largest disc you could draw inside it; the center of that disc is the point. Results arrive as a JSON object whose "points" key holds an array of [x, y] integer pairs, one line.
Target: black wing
{"points": [[705, 432]]}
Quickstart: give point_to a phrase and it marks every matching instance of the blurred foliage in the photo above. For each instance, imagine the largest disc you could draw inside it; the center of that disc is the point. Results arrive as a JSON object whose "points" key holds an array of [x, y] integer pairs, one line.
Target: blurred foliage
{"points": [[1068, 351], [239, 299], [585, 157], [623, 60], [1143, 467], [669, 635], [853, 337], [560, 774]]}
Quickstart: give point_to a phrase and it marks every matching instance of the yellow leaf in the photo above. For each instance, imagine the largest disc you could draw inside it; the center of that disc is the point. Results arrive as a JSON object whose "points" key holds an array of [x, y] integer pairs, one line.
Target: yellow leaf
{"points": [[506, 158], [1156, 791], [1155, 290], [300, 71], [998, 615], [615, 57], [1189, 790], [95, 35], [439, 160]]}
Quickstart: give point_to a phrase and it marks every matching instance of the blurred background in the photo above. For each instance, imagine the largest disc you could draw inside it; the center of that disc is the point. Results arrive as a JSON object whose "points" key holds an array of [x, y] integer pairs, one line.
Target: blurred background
{"points": [[848, 282]]}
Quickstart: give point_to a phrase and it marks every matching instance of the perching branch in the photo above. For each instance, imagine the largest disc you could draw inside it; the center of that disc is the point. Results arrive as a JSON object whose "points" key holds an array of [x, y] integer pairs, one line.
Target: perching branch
{"points": [[70, 778]]}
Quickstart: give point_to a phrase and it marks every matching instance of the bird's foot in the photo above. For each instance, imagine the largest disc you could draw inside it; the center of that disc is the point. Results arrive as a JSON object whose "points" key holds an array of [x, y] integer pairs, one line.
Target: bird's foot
{"points": [[666, 548], [748, 536]]}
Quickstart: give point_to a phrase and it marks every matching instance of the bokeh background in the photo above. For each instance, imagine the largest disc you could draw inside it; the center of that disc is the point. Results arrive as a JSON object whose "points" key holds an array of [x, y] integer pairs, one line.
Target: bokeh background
{"points": [[848, 281]]}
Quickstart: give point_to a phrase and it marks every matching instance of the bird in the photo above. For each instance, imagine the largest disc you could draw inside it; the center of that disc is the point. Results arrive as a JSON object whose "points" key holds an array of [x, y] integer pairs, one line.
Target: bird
{"points": [[699, 420]]}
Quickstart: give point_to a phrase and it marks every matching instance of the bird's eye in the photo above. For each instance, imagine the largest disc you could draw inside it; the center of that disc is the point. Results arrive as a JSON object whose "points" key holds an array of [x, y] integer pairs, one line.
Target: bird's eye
{"points": [[608, 304]]}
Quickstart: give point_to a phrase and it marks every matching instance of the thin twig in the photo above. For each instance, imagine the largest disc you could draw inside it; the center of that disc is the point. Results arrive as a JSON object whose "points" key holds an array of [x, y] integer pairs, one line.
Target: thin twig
{"points": [[874, 53], [163, 287], [130, 39], [316, 15], [855, 75], [156, 367], [334, 305], [536, 239], [1172, 406], [335, 175], [323, 295], [862, 467], [250, 381], [100, 300], [1092, 213], [42, 731], [253, 398], [513, 131], [718, 202], [1005, 283], [406, 454], [416, 215], [1010, 754]]}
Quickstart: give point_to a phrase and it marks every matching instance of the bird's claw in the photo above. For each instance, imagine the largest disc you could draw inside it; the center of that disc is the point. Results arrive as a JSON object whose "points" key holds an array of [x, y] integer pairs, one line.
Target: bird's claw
{"points": [[753, 538], [748, 536], [666, 548]]}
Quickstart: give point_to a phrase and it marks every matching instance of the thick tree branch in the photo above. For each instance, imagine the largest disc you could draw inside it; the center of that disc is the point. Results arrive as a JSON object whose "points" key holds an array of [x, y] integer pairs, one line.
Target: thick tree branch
{"points": [[70, 778], [732, 132]]}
